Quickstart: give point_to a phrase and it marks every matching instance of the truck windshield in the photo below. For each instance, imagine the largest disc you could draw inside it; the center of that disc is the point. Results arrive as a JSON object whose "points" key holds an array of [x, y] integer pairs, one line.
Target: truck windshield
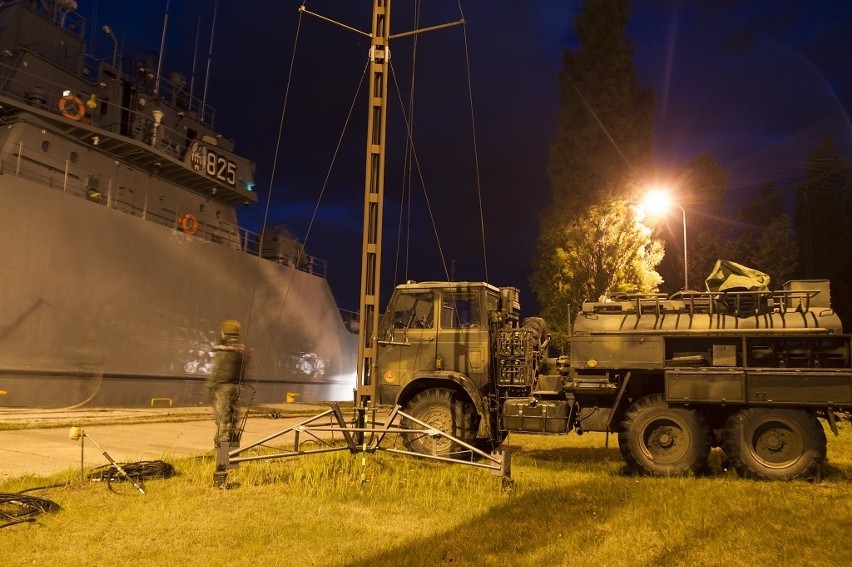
{"points": [[413, 310]]}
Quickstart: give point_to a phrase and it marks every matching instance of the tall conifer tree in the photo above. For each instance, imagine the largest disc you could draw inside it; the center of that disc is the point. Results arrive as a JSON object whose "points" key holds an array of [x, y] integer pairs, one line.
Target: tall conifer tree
{"points": [[599, 152]]}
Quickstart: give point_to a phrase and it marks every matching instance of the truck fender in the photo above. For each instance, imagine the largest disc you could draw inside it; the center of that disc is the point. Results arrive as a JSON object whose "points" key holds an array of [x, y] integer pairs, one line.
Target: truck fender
{"points": [[437, 379]]}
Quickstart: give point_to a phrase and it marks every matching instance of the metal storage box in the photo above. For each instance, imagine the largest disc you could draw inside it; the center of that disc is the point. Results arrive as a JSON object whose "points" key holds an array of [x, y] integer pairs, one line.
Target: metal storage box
{"points": [[535, 416]]}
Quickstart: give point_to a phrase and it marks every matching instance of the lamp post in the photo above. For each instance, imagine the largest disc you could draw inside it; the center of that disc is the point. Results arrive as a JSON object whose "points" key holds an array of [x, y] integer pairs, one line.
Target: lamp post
{"points": [[108, 30], [659, 202]]}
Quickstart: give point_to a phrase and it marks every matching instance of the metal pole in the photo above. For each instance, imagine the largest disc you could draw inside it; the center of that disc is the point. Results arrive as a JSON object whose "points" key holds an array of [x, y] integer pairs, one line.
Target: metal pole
{"points": [[374, 188], [82, 459], [162, 50], [203, 110], [685, 263], [108, 30]]}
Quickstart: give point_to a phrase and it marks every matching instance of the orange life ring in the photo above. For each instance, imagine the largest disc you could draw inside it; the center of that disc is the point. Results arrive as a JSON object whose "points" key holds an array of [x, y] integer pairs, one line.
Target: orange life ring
{"points": [[189, 223], [71, 107]]}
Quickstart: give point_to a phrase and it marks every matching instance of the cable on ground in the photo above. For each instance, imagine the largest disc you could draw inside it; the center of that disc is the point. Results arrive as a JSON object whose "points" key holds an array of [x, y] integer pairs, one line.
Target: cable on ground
{"points": [[141, 470], [16, 508]]}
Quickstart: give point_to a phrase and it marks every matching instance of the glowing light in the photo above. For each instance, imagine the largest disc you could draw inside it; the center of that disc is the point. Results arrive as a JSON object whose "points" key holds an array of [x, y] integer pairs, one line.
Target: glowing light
{"points": [[658, 202]]}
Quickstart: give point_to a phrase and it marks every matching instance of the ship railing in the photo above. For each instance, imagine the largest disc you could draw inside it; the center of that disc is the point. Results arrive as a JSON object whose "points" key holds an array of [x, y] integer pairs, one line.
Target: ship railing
{"points": [[68, 19], [296, 258], [40, 167], [18, 83], [168, 94]]}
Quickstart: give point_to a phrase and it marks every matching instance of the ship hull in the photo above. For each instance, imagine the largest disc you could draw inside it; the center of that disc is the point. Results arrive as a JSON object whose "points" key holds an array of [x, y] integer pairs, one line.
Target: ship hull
{"points": [[104, 308]]}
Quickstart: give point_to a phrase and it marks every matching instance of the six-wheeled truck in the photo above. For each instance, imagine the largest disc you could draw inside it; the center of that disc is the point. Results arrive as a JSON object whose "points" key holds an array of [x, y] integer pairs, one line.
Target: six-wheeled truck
{"points": [[750, 372]]}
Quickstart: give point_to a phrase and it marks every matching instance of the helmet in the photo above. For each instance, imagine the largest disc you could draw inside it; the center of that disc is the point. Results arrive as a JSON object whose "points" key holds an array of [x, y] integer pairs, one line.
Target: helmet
{"points": [[230, 327]]}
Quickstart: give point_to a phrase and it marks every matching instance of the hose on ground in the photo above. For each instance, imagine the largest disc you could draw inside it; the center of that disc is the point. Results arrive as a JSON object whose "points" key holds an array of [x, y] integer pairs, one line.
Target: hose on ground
{"points": [[16, 508], [138, 471]]}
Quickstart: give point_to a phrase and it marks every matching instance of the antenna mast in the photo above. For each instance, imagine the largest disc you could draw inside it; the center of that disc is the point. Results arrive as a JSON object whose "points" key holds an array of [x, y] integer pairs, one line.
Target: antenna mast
{"points": [[209, 61], [162, 49], [374, 189]]}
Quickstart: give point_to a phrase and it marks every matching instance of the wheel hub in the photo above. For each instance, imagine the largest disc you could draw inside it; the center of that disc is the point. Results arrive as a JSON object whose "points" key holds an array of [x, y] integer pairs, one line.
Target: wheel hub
{"points": [[774, 442], [665, 440], [777, 444]]}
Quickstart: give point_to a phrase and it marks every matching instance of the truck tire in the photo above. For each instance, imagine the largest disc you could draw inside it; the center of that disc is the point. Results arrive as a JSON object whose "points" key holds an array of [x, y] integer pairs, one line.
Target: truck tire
{"points": [[775, 444], [659, 440], [446, 411]]}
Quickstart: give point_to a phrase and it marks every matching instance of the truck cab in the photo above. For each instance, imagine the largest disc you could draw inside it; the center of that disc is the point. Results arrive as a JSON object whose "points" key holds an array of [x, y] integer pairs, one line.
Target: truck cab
{"points": [[434, 354]]}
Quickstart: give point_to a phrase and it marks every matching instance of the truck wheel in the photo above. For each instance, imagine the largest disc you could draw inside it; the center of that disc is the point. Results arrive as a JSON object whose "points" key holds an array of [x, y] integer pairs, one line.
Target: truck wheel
{"points": [[443, 410], [775, 444], [656, 439]]}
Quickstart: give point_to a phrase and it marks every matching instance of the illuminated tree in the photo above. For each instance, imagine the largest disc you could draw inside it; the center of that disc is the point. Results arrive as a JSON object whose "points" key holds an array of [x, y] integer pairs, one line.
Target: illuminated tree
{"points": [[606, 250]]}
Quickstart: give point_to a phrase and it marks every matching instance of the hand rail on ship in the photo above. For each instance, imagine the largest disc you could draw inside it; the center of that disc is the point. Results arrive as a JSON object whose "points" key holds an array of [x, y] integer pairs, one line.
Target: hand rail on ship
{"points": [[36, 166]]}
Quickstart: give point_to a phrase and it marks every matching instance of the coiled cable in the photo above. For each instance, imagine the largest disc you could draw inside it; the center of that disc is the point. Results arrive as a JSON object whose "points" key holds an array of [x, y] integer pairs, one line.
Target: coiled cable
{"points": [[138, 471], [16, 508]]}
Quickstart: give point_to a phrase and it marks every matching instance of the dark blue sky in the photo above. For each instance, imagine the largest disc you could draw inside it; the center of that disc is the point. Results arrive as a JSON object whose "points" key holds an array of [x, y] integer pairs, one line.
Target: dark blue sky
{"points": [[757, 82]]}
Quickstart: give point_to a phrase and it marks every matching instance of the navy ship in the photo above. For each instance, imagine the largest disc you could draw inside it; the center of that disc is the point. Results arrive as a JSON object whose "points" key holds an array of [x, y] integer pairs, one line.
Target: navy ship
{"points": [[121, 251]]}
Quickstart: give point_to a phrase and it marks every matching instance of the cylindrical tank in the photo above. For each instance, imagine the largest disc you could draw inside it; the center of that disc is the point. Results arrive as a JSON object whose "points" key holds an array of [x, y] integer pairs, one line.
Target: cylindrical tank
{"points": [[699, 311]]}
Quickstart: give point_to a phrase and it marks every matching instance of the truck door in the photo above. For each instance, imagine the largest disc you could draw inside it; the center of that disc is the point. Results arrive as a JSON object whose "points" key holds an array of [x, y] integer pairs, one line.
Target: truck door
{"points": [[406, 342], [463, 334]]}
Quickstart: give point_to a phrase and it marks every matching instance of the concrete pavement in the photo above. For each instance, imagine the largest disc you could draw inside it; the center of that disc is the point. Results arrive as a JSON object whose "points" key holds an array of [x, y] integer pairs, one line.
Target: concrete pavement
{"points": [[127, 435]]}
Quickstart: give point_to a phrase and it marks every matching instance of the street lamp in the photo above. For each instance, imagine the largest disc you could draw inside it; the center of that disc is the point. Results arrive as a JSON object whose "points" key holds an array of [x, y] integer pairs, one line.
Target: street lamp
{"points": [[659, 202], [108, 30]]}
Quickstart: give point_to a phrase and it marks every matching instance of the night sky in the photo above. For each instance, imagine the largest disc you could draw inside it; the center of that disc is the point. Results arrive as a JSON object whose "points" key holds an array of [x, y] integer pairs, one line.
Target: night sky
{"points": [[757, 82]]}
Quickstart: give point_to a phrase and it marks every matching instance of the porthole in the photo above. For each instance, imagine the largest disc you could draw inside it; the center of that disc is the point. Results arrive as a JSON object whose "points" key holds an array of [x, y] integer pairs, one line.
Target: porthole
{"points": [[45, 146], [73, 157]]}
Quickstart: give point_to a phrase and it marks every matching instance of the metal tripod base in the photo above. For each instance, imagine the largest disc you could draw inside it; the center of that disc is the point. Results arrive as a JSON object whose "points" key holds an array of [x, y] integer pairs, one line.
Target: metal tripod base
{"points": [[223, 463], [356, 441]]}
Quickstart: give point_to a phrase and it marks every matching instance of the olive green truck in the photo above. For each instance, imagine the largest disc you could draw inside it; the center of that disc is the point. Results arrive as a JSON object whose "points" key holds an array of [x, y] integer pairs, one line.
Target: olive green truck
{"points": [[750, 372]]}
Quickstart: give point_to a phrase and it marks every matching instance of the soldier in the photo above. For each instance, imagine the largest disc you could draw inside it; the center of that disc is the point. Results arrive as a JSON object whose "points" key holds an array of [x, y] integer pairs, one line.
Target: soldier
{"points": [[223, 387]]}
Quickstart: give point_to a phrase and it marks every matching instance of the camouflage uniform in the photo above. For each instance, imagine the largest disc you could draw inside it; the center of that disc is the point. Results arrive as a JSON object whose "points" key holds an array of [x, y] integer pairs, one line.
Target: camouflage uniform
{"points": [[223, 383]]}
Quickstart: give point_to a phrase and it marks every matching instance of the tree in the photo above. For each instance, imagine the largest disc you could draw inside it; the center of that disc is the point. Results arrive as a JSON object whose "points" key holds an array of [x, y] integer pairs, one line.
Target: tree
{"points": [[762, 236], [775, 251], [606, 250], [822, 212], [762, 211], [822, 224], [603, 140], [605, 124]]}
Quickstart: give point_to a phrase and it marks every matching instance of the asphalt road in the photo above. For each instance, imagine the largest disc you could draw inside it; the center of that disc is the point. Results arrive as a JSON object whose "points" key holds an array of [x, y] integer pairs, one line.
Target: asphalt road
{"points": [[45, 446]]}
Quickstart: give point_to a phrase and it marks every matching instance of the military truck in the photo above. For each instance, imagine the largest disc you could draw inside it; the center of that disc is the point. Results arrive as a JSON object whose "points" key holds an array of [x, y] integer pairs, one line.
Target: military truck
{"points": [[750, 372]]}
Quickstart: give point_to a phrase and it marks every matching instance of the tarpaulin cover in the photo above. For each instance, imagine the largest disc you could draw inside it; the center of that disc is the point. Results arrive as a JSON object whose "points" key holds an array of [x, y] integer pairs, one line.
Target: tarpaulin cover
{"points": [[730, 276]]}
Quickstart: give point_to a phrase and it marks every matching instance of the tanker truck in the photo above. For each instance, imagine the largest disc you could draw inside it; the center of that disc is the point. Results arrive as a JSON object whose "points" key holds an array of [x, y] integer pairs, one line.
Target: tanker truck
{"points": [[673, 376]]}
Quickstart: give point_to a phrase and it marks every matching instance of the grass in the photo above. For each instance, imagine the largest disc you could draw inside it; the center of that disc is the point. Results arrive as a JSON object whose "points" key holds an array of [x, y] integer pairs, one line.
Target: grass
{"points": [[572, 505]]}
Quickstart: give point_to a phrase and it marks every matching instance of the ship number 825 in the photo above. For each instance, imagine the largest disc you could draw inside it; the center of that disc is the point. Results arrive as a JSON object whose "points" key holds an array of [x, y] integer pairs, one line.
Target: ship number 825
{"points": [[221, 168]]}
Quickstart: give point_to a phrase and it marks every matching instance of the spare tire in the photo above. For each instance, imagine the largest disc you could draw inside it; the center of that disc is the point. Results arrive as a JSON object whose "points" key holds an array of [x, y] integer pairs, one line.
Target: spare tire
{"points": [[537, 326]]}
